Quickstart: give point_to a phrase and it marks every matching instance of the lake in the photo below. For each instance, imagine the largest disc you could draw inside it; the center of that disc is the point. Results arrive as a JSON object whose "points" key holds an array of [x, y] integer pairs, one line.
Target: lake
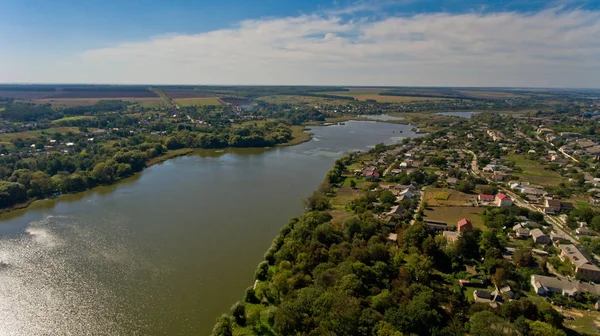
{"points": [[169, 250], [459, 114]]}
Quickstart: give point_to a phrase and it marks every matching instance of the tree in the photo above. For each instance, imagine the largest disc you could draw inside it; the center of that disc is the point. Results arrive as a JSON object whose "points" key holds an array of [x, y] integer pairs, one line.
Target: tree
{"points": [[387, 197], [465, 186], [352, 184], [238, 311], [223, 327], [523, 257], [539, 328], [317, 202], [486, 323]]}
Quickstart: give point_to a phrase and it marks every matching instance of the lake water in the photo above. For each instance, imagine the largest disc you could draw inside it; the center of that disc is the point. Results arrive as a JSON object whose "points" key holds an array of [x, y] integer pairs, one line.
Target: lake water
{"points": [[165, 252], [459, 114]]}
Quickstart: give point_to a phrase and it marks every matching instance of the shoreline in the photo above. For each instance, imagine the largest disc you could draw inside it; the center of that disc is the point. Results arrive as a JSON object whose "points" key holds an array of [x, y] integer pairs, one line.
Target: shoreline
{"points": [[301, 134], [173, 154]]}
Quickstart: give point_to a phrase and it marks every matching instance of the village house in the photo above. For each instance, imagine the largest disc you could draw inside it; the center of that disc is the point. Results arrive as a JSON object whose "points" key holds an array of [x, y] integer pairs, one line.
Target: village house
{"points": [[520, 232], [584, 268], [544, 285], [464, 225], [503, 200], [483, 198], [539, 237], [554, 206]]}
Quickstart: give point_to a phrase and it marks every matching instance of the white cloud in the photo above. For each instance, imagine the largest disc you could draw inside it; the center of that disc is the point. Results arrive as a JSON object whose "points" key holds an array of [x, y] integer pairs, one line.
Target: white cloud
{"points": [[549, 48]]}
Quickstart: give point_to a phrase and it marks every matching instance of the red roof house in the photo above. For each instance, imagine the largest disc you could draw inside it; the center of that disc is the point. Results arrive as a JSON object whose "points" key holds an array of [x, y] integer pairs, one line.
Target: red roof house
{"points": [[464, 225], [485, 198]]}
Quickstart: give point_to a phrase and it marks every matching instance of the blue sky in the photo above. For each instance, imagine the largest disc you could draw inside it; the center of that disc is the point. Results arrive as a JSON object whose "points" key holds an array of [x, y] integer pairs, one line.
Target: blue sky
{"points": [[367, 42]]}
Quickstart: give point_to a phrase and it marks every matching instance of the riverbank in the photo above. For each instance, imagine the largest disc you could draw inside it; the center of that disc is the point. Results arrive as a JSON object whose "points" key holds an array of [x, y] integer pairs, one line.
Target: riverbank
{"points": [[299, 135]]}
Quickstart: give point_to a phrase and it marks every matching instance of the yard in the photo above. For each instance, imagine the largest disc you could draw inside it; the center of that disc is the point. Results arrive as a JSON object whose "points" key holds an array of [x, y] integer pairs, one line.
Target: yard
{"points": [[198, 101], [452, 215], [447, 197], [534, 171]]}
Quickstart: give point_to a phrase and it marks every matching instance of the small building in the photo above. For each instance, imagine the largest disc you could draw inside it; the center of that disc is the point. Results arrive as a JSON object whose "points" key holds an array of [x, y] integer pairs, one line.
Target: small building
{"points": [[393, 237], [503, 200], [539, 237], [464, 225], [485, 198], [584, 268], [544, 285], [483, 295], [584, 231], [520, 232], [397, 211], [437, 225]]}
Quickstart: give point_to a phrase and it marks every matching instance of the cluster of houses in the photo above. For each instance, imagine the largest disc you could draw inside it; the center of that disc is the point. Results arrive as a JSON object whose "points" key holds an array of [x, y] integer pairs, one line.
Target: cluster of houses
{"points": [[499, 200]]}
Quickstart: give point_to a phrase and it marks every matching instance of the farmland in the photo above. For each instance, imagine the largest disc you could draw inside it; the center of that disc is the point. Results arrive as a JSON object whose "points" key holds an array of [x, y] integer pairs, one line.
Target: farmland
{"points": [[198, 101]]}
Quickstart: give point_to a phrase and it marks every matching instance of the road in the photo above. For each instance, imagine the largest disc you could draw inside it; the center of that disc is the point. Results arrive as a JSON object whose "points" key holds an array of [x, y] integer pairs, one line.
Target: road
{"points": [[556, 224], [390, 167], [422, 196]]}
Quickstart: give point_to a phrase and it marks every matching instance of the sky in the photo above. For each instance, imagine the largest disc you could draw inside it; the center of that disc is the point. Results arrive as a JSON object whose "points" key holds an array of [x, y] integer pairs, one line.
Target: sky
{"points": [[502, 43]]}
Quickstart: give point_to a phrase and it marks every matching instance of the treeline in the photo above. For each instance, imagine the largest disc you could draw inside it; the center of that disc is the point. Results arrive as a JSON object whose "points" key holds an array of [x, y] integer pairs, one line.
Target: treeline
{"points": [[88, 164], [42, 88], [26, 112], [100, 106], [269, 135], [57, 173]]}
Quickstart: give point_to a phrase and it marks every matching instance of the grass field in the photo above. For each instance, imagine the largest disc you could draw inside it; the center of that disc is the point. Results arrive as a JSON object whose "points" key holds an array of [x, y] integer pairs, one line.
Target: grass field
{"points": [[452, 215], [587, 322], [71, 119], [72, 102], [446, 197], [534, 172], [197, 101], [37, 133], [365, 95]]}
